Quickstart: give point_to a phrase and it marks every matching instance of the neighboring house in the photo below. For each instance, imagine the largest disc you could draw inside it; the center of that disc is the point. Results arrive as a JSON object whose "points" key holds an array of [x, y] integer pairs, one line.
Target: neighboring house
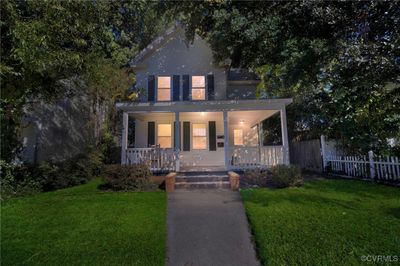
{"points": [[196, 114], [57, 130]]}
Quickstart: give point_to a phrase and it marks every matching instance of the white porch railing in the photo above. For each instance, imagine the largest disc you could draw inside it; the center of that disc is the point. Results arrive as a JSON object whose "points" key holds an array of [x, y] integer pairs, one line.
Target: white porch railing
{"points": [[255, 157], [158, 159]]}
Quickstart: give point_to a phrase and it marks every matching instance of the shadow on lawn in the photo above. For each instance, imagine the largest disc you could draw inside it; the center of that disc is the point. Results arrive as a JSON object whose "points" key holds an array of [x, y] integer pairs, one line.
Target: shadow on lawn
{"points": [[304, 199], [395, 212], [354, 188], [348, 194]]}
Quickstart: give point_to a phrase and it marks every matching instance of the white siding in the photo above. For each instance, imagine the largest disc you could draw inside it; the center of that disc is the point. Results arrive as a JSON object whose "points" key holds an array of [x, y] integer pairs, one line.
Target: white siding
{"points": [[192, 157], [177, 57]]}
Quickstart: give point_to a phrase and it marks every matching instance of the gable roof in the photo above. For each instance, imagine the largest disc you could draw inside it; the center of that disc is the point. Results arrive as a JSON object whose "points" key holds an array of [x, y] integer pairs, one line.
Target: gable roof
{"points": [[155, 44], [234, 74]]}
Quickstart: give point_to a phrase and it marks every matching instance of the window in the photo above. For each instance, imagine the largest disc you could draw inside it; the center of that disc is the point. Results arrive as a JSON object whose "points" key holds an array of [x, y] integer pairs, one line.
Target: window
{"points": [[238, 137], [198, 88], [199, 136], [164, 135], [163, 88]]}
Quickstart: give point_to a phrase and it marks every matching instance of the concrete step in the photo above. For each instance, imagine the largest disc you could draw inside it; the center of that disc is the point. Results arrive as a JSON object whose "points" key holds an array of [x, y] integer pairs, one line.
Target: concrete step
{"points": [[201, 178], [213, 173], [203, 185]]}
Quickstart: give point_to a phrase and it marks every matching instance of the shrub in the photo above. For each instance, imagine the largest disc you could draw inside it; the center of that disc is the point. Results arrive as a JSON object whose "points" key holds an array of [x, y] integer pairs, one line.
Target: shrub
{"points": [[49, 176], [287, 175], [16, 180], [83, 167], [128, 178], [255, 177]]}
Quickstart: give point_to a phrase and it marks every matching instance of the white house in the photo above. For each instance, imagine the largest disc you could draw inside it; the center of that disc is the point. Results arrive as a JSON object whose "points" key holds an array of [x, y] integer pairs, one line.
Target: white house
{"points": [[197, 115]]}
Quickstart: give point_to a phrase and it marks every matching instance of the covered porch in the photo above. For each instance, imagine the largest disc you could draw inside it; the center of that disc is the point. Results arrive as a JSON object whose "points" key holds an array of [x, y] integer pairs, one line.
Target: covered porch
{"points": [[202, 136]]}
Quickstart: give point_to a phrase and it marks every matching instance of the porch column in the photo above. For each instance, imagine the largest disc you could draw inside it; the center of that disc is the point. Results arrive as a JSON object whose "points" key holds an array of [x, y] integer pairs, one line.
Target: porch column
{"points": [[260, 140], [285, 139], [177, 141], [226, 140], [124, 140], [260, 134]]}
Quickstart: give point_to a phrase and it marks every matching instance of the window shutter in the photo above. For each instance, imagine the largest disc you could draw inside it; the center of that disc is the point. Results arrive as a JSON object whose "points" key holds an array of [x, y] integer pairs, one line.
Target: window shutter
{"points": [[212, 136], [151, 88], [210, 87], [176, 88], [186, 136], [179, 144], [151, 134], [186, 89]]}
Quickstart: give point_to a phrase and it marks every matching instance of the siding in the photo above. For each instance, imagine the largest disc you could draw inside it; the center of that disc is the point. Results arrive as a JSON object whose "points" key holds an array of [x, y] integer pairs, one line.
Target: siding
{"points": [[177, 57]]}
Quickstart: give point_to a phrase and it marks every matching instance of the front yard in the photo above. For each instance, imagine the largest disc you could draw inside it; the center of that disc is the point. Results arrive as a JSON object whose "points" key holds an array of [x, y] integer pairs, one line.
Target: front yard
{"points": [[327, 222], [84, 226]]}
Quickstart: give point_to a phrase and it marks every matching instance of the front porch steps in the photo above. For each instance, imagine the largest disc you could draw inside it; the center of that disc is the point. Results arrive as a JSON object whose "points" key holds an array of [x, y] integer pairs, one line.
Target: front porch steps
{"points": [[202, 180]]}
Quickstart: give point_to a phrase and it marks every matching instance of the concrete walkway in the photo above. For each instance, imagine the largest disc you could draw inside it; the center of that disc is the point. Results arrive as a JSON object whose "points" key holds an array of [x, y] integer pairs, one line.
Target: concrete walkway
{"points": [[208, 227]]}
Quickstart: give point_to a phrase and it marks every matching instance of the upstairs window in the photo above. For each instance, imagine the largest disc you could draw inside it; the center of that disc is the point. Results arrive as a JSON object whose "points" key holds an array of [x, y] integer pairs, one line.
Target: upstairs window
{"points": [[238, 137], [199, 136], [198, 88], [164, 135], [163, 89]]}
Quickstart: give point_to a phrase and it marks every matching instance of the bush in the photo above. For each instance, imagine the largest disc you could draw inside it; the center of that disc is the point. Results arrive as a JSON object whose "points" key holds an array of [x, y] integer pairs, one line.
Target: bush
{"points": [[16, 180], [287, 175], [24, 179], [128, 178], [83, 167], [255, 177]]}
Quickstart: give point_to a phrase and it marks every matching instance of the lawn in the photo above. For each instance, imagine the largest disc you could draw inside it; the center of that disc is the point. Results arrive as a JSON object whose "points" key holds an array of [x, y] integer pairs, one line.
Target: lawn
{"points": [[84, 226], [327, 222]]}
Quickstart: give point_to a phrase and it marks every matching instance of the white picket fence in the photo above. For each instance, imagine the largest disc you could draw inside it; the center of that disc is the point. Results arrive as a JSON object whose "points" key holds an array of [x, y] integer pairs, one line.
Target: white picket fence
{"points": [[372, 166]]}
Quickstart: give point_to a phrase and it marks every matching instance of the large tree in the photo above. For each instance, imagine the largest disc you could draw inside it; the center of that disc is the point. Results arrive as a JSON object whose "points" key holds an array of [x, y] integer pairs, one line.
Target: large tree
{"points": [[338, 60], [45, 42]]}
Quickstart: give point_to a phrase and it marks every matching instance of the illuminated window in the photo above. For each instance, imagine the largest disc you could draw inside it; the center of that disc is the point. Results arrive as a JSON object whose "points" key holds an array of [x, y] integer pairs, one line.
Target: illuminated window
{"points": [[163, 88], [198, 88], [199, 136], [164, 135], [237, 137]]}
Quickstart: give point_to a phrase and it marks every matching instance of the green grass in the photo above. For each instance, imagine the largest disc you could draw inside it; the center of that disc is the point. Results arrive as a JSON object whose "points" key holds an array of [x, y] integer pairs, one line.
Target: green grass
{"points": [[84, 226], [327, 222]]}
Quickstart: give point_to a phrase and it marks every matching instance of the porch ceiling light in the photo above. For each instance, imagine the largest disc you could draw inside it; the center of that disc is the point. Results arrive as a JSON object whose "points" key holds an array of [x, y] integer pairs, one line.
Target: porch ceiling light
{"points": [[241, 121], [202, 113]]}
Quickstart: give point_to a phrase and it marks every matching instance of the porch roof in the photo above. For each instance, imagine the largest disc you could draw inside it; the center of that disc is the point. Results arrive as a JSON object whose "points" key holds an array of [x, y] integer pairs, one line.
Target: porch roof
{"points": [[204, 106]]}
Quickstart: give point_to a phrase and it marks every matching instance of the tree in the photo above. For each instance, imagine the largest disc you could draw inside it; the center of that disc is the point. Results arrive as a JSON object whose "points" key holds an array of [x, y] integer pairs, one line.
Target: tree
{"points": [[45, 42], [338, 60]]}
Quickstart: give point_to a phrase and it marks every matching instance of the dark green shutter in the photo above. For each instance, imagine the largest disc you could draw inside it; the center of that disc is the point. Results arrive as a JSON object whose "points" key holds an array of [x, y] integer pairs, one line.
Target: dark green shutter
{"points": [[212, 136], [151, 134], [176, 88], [180, 128], [151, 88], [185, 87], [186, 136], [210, 87]]}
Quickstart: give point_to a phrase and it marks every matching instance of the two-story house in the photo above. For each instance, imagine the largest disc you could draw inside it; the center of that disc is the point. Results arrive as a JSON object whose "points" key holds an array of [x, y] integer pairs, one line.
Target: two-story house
{"points": [[197, 115]]}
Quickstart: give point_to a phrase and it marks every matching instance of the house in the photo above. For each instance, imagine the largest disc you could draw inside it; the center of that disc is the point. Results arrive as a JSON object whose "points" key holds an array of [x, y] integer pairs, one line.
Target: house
{"points": [[196, 115], [58, 130]]}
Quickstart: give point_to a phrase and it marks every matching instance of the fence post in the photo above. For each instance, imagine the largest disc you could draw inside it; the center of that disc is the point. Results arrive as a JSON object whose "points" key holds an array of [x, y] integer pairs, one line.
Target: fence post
{"points": [[323, 153], [371, 164]]}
